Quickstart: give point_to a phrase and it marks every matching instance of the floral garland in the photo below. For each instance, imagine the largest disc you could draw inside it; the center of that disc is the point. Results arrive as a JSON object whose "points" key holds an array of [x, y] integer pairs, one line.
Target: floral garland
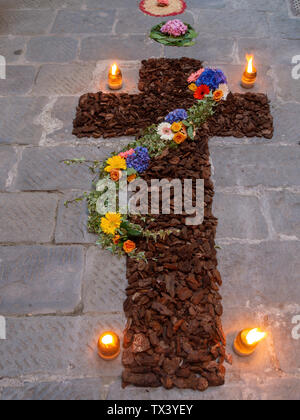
{"points": [[116, 232]]}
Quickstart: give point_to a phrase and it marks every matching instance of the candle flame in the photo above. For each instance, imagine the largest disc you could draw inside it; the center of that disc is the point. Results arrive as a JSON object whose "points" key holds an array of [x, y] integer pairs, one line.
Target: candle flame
{"points": [[107, 339], [255, 336], [250, 59], [114, 69]]}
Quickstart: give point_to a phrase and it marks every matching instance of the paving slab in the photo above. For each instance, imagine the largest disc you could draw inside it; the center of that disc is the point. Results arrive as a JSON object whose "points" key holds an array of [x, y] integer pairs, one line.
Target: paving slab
{"points": [[286, 123], [274, 6], [288, 88], [54, 49], [61, 345], [285, 212], [233, 23], [63, 79], [43, 168], [12, 48], [84, 21], [40, 279], [124, 47], [40, 4], [257, 164], [19, 119], [19, 80], [265, 273], [116, 4], [207, 49], [104, 282], [26, 22], [67, 390], [8, 158], [239, 217], [286, 335], [207, 4], [71, 225], [27, 217], [284, 27]]}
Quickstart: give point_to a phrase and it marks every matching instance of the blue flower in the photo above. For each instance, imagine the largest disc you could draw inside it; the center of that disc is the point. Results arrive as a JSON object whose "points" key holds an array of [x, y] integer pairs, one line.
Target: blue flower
{"points": [[212, 78], [139, 160], [177, 115]]}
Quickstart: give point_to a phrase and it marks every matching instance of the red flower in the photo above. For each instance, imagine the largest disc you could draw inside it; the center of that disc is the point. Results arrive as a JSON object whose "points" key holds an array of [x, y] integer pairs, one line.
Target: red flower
{"points": [[201, 92]]}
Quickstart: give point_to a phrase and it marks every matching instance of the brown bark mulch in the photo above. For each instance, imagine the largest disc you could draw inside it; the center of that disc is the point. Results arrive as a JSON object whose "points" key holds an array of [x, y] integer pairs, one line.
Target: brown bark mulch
{"points": [[163, 86], [174, 335]]}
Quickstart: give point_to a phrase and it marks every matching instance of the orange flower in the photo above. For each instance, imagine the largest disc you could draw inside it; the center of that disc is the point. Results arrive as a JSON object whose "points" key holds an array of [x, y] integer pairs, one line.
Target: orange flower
{"points": [[179, 137], [129, 246], [131, 178], [115, 174], [116, 239], [218, 95]]}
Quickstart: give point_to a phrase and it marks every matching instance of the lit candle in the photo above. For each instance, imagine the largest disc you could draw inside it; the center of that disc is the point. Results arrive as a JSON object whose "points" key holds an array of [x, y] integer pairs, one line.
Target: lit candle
{"points": [[250, 74], [115, 79], [247, 341], [109, 345]]}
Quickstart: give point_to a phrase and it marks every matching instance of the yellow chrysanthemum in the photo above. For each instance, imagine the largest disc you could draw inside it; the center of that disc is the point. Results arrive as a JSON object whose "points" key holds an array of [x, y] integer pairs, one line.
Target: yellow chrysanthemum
{"points": [[193, 87], [110, 223], [176, 126], [116, 162]]}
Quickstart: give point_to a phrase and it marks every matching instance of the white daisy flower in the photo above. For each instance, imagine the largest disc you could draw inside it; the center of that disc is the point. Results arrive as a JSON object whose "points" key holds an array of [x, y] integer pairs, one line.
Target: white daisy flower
{"points": [[165, 131], [225, 89]]}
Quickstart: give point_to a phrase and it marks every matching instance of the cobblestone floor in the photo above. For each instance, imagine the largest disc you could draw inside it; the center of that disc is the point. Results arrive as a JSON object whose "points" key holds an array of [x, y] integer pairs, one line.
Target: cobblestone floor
{"points": [[57, 290]]}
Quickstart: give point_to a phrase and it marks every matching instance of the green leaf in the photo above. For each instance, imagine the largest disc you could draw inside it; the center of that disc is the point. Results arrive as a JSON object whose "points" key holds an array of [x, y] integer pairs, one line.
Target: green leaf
{"points": [[191, 133]]}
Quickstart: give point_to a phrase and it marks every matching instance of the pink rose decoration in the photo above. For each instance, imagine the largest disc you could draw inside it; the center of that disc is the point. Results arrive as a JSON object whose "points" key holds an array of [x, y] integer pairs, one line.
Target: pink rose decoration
{"points": [[195, 76], [125, 155]]}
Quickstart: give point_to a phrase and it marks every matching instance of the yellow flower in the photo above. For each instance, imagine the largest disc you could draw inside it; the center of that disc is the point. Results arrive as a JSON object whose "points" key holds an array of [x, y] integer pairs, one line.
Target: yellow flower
{"points": [[193, 87], [116, 162], [110, 223], [176, 126]]}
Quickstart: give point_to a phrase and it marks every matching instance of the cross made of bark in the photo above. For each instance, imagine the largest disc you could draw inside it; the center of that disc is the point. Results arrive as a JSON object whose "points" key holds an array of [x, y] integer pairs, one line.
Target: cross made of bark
{"points": [[174, 335]]}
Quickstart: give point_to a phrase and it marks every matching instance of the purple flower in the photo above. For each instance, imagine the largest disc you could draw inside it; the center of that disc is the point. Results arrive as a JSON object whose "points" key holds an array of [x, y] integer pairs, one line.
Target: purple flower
{"points": [[174, 28], [177, 115], [139, 160], [212, 78]]}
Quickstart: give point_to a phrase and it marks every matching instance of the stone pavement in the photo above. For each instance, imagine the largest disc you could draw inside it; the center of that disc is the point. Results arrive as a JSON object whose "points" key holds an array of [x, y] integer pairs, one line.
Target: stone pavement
{"points": [[58, 291]]}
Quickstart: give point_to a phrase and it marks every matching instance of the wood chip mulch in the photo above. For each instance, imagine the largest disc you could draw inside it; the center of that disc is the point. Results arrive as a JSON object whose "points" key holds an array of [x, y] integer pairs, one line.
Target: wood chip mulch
{"points": [[174, 335]]}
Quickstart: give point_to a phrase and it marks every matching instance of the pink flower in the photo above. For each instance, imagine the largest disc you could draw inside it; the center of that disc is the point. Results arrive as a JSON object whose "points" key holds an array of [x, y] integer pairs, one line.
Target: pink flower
{"points": [[125, 155], [195, 76], [174, 28]]}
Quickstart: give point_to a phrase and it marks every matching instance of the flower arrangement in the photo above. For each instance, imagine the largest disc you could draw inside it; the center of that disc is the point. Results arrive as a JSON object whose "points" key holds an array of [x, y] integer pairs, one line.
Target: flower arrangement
{"points": [[116, 232], [174, 33], [209, 82], [174, 28]]}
